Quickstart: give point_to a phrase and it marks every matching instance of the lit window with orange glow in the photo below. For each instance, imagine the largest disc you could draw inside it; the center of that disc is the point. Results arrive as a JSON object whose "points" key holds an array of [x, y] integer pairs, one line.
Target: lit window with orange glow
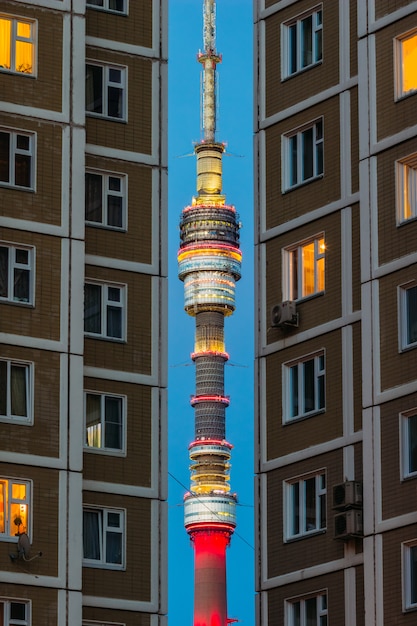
{"points": [[406, 60], [406, 182], [17, 45], [304, 267], [14, 507]]}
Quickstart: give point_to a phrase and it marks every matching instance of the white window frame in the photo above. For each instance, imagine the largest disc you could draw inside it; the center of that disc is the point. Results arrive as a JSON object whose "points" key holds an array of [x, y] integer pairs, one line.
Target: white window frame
{"points": [[319, 366], [292, 275], [296, 25], [406, 450], [28, 367], [104, 527], [406, 551], [288, 505], [14, 38], [6, 606], [10, 530], [103, 449], [107, 9], [404, 311], [14, 265], [14, 153], [398, 60], [90, 622], [105, 304], [321, 608], [406, 188], [294, 141], [106, 193], [106, 83]]}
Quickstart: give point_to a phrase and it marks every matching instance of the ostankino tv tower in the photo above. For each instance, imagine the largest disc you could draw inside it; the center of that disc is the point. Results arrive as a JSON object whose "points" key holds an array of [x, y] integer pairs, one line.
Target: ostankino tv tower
{"points": [[209, 264]]}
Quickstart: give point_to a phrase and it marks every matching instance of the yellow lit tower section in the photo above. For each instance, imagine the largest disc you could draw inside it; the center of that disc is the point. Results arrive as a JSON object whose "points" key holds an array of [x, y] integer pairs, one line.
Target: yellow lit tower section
{"points": [[209, 264]]}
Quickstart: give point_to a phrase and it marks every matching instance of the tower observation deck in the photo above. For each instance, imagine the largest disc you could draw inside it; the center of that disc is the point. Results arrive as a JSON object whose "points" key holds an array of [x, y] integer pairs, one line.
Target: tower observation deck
{"points": [[209, 264]]}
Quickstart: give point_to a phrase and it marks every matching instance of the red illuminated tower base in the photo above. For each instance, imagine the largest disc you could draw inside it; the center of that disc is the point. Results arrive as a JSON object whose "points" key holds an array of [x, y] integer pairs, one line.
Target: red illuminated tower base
{"points": [[210, 602]]}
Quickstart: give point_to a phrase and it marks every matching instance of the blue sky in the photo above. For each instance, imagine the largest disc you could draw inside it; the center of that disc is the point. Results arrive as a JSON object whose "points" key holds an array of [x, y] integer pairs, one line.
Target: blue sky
{"points": [[235, 127]]}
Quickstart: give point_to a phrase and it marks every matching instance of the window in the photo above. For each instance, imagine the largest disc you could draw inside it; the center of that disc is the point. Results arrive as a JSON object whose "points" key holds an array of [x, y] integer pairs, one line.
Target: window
{"points": [[104, 310], [105, 91], [103, 537], [105, 199], [17, 45], [408, 316], [303, 268], [104, 417], [303, 155], [408, 426], [90, 623], [15, 390], [304, 387], [16, 273], [14, 507], [118, 6], [406, 180], [308, 611], [16, 159], [14, 612], [410, 574], [406, 64], [302, 40], [305, 505]]}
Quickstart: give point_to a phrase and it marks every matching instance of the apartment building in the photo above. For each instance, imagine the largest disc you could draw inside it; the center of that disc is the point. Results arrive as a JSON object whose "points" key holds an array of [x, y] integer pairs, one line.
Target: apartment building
{"points": [[83, 312], [336, 348]]}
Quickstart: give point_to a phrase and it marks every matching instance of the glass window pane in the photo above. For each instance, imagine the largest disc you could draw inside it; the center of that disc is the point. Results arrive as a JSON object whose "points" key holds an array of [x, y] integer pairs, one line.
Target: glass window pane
{"points": [[92, 309], [296, 614], [93, 420], [113, 519], [411, 298], [115, 76], [114, 322], [293, 160], [3, 388], [4, 271], [413, 574], [113, 294], [308, 379], [18, 610], [295, 506], [93, 198], [24, 57], [114, 183], [96, 3], [91, 534], [292, 42], [409, 63], [115, 211], [94, 88], [321, 392], [114, 548], [307, 151], [319, 45], [5, 42], [117, 5], [310, 503], [18, 390], [311, 611], [23, 142], [113, 417], [294, 391], [306, 41], [308, 269], [5, 157], [412, 443], [22, 175], [115, 102], [21, 285]]}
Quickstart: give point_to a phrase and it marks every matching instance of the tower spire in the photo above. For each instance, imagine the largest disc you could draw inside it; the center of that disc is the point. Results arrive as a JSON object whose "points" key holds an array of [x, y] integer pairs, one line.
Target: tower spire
{"points": [[209, 263]]}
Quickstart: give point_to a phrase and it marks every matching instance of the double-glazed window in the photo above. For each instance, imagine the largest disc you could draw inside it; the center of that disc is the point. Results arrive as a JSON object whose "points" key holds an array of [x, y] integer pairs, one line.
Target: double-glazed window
{"points": [[15, 390], [408, 316], [16, 265], [303, 269], [17, 44], [304, 387], [14, 507], [105, 91], [303, 154], [104, 417], [104, 314], [302, 39], [14, 612], [17, 158], [408, 425], [118, 6], [103, 537], [105, 199], [410, 574], [406, 64], [305, 505], [406, 182], [308, 611]]}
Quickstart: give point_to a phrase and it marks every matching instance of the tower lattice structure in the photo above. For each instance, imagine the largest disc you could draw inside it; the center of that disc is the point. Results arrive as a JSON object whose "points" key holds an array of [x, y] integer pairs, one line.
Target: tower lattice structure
{"points": [[209, 264]]}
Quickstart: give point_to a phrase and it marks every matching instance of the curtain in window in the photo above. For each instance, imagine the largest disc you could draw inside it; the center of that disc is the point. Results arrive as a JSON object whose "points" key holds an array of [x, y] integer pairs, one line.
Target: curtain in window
{"points": [[5, 31], [113, 416], [92, 524], [93, 421], [311, 611], [21, 285], [307, 253], [18, 390], [24, 49], [409, 63], [92, 308]]}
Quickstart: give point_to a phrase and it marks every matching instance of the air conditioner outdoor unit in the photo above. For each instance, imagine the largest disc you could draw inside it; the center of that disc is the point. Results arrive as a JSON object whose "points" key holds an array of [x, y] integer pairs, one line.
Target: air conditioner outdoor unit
{"points": [[347, 495], [348, 525], [284, 314]]}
